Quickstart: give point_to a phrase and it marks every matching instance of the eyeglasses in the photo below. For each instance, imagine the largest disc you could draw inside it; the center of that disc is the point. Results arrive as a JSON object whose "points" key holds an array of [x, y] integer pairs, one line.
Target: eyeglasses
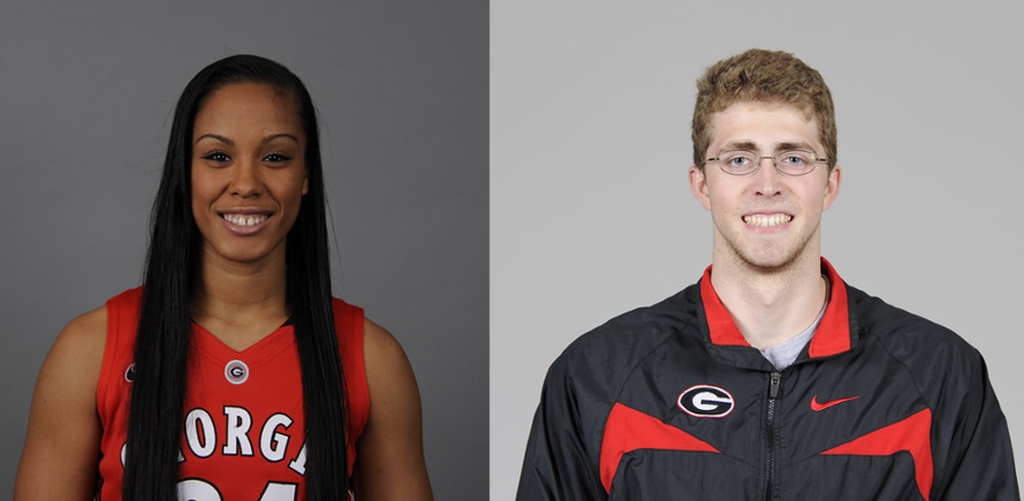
{"points": [[790, 163]]}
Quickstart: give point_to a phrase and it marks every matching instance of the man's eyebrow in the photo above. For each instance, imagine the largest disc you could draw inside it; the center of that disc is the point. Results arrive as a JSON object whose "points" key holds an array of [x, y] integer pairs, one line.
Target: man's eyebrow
{"points": [[740, 145], [217, 137], [751, 146], [793, 146]]}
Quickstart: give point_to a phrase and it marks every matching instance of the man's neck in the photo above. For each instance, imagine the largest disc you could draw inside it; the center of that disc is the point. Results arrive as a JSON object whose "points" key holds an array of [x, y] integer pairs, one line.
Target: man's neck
{"points": [[770, 308]]}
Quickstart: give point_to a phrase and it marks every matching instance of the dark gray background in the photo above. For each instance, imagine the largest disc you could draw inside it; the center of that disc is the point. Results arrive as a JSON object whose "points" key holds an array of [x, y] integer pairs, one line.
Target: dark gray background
{"points": [[591, 214], [87, 92]]}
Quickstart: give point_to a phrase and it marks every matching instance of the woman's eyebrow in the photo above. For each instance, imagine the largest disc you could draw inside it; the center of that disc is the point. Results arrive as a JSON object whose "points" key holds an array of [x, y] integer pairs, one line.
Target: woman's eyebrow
{"points": [[284, 135], [217, 137], [232, 143]]}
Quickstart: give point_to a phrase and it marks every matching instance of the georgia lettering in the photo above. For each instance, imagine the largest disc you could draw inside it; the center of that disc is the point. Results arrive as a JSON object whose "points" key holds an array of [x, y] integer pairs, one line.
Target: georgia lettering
{"points": [[201, 437], [269, 440]]}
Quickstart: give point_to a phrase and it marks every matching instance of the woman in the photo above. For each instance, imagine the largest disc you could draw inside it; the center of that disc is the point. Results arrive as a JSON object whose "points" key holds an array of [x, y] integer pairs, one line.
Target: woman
{"points": [[234, 338]]}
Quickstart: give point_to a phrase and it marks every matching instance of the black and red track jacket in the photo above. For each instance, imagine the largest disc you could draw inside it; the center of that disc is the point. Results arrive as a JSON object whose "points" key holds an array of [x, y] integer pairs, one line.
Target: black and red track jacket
{"points": [[671, 402]]}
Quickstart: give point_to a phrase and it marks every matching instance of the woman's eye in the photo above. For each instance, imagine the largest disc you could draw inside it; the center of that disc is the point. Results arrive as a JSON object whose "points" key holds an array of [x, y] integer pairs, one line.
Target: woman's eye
{"points": [[276, 158], [217, 156]]}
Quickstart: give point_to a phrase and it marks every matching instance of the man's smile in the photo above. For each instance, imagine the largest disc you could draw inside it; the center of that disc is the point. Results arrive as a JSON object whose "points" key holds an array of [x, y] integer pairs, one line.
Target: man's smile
{"points": [[767, 220]]}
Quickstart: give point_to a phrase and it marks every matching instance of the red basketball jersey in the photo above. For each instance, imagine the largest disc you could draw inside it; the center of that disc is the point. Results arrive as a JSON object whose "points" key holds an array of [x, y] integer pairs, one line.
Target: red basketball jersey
{"points": [[243, 437]]}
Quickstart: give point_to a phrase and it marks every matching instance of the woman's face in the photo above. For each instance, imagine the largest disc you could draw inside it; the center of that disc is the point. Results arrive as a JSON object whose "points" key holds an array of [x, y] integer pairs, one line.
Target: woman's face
{"points": [[248, 172]]}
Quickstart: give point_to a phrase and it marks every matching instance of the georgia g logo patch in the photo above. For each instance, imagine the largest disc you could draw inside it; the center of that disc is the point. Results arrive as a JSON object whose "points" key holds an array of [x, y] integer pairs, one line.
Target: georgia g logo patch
{"points": [[706, 401], [236, 372]]}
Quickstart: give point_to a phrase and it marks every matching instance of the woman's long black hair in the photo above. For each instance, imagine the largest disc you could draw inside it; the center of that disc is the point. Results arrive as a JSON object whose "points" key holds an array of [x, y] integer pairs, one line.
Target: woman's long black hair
{"points": [[155, 424]]}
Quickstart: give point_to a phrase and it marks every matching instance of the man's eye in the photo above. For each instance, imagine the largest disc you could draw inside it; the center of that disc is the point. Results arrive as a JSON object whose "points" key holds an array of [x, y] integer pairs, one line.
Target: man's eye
{"points": [[217, 156], [794, 160], [738, 161]]}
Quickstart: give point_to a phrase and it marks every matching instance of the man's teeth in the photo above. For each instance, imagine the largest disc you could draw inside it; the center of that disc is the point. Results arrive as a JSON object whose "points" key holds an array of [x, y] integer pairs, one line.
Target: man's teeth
{"points": [[766, 221], [244, 219]]}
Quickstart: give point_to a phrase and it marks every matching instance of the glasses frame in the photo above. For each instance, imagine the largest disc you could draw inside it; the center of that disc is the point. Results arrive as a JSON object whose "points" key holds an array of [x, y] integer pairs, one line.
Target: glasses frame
{"points": [[775, 162]]}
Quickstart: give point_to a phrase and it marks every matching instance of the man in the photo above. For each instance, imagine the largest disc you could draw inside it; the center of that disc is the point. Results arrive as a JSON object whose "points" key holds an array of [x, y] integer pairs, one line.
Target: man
{"points": [[770, 378]]}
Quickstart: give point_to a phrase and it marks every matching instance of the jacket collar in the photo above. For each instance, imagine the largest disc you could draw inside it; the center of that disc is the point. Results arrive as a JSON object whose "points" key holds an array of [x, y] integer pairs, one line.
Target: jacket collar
{"points": [[832, 337]]}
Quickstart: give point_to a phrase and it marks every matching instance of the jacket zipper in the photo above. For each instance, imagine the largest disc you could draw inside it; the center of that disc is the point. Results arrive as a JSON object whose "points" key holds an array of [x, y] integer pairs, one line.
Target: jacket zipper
{"points": [[773, 393]]}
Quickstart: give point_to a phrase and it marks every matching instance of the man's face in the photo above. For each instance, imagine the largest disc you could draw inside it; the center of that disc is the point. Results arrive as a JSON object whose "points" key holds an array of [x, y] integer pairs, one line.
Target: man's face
{"points": [[766, 220]]}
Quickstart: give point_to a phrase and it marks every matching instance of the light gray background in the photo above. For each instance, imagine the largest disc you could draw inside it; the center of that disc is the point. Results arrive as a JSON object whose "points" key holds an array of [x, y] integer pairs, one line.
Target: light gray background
{"points": [[590, 211], [87, 91]]}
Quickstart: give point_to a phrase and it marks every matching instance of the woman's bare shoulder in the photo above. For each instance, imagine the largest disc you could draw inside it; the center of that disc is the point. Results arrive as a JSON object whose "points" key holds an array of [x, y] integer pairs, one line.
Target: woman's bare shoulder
{"points": [[387, 367], [72, 366], [378, 342], [390, 462], [81, 343], [62, 443], [88, 326]]}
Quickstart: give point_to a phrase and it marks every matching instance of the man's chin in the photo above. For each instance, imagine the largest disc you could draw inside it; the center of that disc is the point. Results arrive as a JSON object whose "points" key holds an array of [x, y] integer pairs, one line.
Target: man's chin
{"points": [[769, 261]]}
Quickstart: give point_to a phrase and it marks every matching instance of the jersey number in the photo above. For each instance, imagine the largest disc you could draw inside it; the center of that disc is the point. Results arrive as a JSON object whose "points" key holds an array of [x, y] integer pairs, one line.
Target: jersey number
{"points": [[195, 489]]}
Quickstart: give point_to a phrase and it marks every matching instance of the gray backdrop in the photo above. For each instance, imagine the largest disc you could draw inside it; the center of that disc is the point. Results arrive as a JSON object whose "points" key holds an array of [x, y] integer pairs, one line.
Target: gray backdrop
{"points": [[590, 210], [86, 93]]}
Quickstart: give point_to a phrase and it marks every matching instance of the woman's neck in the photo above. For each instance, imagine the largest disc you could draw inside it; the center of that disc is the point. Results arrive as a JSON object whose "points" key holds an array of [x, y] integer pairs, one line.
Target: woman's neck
{"points": [[240, 303]]}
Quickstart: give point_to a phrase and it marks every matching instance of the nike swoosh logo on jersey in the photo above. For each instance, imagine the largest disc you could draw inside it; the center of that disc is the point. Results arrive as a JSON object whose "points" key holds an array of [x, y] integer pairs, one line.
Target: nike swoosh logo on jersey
{"points": [[818, 407]]}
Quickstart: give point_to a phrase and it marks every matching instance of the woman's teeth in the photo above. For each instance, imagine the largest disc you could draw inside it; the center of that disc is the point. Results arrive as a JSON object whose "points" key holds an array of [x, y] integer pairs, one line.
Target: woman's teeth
{"points": [[244, 219]]}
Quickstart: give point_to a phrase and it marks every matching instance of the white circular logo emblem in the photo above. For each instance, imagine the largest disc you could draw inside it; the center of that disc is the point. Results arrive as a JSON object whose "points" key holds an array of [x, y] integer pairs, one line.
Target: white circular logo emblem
{"points": [[236, 372], [129, 373], [706, 401]]}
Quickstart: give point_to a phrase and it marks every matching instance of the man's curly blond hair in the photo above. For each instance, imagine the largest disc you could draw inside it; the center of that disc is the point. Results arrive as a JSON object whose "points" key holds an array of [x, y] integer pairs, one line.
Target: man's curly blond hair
{"points": [[762, 76]]}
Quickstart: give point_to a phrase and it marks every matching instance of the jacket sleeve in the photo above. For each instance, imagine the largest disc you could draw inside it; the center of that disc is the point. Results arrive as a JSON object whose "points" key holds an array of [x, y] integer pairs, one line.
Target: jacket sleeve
{"points": [[979, 463], [558, 465]]}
